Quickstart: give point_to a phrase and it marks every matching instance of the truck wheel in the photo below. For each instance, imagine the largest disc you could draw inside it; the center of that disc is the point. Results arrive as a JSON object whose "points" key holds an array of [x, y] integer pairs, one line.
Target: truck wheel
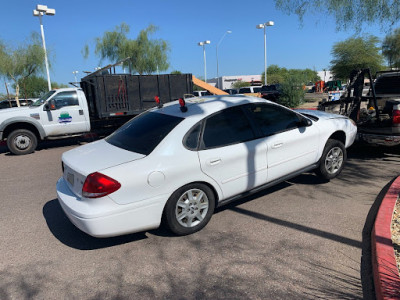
{"points": [[21, 141], [332, 160], [189, 209]]}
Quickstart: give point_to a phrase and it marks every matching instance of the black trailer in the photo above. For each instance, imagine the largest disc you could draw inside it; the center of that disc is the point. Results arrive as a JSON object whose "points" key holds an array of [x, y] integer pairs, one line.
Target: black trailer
{"points": [[112, 95]]}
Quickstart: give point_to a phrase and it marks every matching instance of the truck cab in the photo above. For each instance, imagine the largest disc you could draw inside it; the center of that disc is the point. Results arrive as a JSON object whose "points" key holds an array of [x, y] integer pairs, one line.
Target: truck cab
{"points": [[60, 112]]}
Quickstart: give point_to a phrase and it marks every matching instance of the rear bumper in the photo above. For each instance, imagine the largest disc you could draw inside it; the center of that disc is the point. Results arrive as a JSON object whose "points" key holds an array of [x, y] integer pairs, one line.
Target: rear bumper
{"points": [[105, 218], [377, 139]]}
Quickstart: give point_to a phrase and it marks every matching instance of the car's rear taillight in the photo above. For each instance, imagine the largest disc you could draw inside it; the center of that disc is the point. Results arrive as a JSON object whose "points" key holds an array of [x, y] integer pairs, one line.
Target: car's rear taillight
{"points": [[396, 116], [99, 185]]}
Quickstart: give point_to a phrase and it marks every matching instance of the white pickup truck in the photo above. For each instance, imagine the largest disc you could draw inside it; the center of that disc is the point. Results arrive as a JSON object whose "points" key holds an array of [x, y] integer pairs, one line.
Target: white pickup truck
{"points": [[103, 103], [58, 113]]}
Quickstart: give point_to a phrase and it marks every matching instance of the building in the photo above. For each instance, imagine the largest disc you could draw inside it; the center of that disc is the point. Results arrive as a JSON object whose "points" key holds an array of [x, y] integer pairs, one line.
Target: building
{"points": [[325, 75], [226, 82]]}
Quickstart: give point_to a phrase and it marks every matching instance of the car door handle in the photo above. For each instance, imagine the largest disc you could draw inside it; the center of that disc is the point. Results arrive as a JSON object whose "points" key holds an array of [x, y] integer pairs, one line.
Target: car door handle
{"points": [[214, 161], [277, 145]]}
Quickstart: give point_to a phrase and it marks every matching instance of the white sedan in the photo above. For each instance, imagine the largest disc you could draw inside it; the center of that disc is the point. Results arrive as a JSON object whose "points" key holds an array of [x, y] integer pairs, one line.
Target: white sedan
{"points": [[177, 163]]}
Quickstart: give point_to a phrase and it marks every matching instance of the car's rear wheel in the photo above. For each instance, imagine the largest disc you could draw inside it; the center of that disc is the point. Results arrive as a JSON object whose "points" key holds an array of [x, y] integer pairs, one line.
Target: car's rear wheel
{"points": [[332, 159], [189, 209], [21, 141]]}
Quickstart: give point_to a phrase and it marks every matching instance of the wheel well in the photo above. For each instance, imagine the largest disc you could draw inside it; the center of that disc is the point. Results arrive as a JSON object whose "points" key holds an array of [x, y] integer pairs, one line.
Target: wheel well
{"points": [[212, 189], [339, 136], [21, 125], [210, 186]]}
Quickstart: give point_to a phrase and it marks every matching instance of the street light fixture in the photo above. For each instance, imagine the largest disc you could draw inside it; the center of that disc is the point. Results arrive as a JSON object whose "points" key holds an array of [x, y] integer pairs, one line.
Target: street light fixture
{"points": [[75, 72], [39, 12], [204, 53], [216, 49], [263, 26]]}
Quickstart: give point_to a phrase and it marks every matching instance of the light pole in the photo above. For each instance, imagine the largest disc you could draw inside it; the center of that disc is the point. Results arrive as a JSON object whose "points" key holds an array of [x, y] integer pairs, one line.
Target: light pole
{"points": [[75, 72], [39, 12], [216, 49], [263, 26], [204, 53]]}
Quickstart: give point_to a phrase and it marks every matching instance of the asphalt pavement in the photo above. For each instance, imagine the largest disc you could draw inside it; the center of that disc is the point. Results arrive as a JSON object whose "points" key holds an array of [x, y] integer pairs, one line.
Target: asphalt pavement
{"points": [[303, 239]]}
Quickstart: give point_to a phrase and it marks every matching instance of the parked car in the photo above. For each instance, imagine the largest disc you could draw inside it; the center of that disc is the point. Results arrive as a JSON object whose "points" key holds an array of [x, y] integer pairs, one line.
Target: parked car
{"points": [[249, 90], [176, 163], [231, 91], [201, 93], [377, 112], [271, 92], [22, 102]]}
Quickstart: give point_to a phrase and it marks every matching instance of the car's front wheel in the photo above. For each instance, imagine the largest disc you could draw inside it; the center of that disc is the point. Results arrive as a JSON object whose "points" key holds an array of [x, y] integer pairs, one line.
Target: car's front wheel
{"points": [[189, 209], [332, 159], [21, 141]]}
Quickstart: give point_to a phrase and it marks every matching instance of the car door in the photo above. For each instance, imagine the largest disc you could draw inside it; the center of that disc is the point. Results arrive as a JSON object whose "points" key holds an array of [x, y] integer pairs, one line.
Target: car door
{"points": [[66, 116], [291, 146], [230, 154]]}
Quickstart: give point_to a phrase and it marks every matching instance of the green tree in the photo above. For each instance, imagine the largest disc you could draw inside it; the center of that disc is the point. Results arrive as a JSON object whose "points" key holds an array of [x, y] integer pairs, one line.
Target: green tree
{"points": [[277, 74], [176, 72], [35, 86], [239, 83], [145, 55], [355, 13], [292, 92], [355, 53], [391, 48], [19, 63]]}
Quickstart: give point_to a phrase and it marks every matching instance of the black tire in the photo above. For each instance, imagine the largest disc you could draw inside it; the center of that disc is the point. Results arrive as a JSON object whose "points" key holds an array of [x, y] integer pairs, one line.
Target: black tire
{"points": [[332, 160], [183, 215], [21, 141]]}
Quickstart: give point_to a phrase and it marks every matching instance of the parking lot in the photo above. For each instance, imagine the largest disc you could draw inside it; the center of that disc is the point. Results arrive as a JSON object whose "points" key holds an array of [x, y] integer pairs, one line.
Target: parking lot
{"points": [[301, 239]]}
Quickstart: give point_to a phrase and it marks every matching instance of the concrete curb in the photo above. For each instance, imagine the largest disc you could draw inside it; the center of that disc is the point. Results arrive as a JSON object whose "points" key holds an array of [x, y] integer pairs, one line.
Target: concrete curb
{"points": [[385, 271]]}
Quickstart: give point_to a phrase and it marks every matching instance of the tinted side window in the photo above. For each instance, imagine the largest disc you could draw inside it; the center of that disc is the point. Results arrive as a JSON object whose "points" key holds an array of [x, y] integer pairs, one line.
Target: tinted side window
{"points": [[388, 85], [144, 132], [244, 90], [272, 119], [4, 104], [191, 140], [227, 127], [66, 99]]}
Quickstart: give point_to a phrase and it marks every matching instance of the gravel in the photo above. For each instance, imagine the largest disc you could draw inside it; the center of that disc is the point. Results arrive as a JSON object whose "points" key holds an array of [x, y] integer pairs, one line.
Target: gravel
{"points": [[396, 232]]}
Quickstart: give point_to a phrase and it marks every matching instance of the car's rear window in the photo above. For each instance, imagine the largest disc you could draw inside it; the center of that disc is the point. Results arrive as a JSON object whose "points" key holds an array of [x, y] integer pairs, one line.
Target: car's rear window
{"points": [[144, 132], [388, 85]]}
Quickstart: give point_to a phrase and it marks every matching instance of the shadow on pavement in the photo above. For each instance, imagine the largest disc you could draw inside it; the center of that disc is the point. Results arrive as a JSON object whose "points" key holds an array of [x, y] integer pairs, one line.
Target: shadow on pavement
{"points": [[360, 150], [50, 144], [61, 227]]}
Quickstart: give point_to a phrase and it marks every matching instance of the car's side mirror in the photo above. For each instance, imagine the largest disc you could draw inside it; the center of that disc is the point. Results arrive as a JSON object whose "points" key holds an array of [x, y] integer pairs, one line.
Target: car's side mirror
{"points": [[50, 105], [305, 122]]}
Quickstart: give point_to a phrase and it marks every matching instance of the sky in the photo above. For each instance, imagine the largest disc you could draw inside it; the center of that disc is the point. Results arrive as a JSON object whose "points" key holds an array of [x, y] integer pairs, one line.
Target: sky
{"points": [[183, 24]]}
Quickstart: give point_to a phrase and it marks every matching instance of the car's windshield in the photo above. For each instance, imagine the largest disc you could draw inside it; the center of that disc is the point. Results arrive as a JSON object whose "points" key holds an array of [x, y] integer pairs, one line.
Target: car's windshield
{"points": [[43, 99], [144, 132]]}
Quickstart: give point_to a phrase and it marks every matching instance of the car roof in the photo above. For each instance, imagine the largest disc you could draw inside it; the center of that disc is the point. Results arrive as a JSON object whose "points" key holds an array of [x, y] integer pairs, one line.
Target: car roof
{"points": [[200, 107]]}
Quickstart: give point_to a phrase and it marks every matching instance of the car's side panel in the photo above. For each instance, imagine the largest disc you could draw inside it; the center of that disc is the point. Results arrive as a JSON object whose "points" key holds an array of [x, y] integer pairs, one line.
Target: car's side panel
{"points": [[166, 169], [236, 168], [23, 119]]}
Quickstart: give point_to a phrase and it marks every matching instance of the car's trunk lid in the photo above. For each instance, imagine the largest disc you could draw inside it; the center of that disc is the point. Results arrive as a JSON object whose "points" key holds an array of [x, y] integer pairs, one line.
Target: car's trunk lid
{"points": [[78, 163]]}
